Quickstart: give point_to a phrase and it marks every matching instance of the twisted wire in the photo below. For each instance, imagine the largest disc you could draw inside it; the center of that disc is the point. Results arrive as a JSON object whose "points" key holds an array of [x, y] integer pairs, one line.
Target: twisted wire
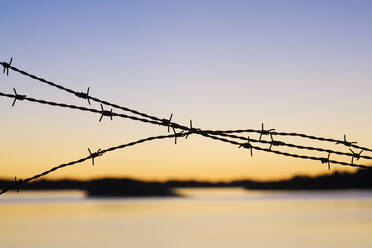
{"points": [[281, 143], [285, 153], [227, 136], [172, 124], [196, 131], [190, 130], [19, 183], [291, 134], [78, 94], [64, 105], [100, 152]]}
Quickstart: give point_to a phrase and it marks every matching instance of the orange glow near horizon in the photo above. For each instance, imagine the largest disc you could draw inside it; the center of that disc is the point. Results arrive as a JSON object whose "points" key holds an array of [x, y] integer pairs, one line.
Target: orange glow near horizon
{"points": [[196, 158]]}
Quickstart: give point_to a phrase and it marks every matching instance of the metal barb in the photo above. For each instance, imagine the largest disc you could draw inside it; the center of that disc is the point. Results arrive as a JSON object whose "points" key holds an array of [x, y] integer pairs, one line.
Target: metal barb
{"points": [[17, 97], [248, 146], [180, 134], [345, 142], [264, 132], [355, 155], [275, 142], [83, 95], [190, 130], [168, 122], [17, 183], [175, 136], [94, 154], [326, 161], [6, 66], [105, 113]]}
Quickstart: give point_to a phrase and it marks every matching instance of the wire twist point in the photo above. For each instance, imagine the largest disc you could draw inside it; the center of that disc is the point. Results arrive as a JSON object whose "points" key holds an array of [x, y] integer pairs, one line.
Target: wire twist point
{"points": [[83, 95], [264, 132], [248, 146], [105, 113], [6, 66], [17, 97], [94, 154]]}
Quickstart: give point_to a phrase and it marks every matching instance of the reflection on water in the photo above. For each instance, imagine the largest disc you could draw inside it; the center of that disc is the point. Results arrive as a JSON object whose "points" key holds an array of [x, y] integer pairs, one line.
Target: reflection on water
{"points": [[205, 218]]}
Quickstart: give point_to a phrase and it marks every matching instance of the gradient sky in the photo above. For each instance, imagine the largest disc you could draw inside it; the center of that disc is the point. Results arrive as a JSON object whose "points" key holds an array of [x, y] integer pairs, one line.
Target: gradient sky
{"points": [[301, 66]]}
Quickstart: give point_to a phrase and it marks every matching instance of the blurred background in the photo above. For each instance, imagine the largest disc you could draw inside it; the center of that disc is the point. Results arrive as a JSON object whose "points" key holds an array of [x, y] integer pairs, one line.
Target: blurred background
{"points": [[297, 66]]}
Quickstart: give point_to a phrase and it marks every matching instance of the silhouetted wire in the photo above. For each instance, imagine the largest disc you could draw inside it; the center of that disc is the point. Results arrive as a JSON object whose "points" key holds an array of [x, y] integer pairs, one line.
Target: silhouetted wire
{"points": [[249, 146], [281, 143], [102, 112], [213, 134], [78, 94], [8, 66], [190, 131], [349, 144], [100, 152]]}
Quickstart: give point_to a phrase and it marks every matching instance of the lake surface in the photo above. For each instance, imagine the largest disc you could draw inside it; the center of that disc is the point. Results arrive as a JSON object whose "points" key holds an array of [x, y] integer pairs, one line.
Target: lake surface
{"points": [[205, 218]]}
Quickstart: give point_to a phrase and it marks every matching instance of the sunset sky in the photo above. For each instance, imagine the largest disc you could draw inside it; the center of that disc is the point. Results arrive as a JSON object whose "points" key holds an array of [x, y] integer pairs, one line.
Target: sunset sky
{"points": [[297, 66]]}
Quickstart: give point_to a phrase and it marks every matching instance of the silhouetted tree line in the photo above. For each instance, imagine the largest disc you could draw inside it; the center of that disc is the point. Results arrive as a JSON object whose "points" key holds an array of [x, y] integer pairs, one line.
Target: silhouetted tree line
{"points": [[362, 179]]}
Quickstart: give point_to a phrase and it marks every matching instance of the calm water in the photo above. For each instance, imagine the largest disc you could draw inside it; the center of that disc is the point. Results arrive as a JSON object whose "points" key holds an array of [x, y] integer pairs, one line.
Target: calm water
{"points": [[206, 218]]}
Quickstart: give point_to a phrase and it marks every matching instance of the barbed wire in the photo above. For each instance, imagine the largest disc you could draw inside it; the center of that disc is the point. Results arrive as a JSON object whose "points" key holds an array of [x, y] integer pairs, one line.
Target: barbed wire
{"points": [[83, 95], [192, 130], [321, 159], [221, 133], [92, 155], [336, 141], [281, 143], [7, 66], [227, 136]]}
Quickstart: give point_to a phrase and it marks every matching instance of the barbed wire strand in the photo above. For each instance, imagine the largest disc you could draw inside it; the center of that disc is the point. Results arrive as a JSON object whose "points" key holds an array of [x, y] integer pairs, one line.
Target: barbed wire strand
{"points": [[281, 143], [100, 152], [91, 156], [191, 130], [8, 66], [249, 146], [78, 94], [346, 143], [207, 133]]}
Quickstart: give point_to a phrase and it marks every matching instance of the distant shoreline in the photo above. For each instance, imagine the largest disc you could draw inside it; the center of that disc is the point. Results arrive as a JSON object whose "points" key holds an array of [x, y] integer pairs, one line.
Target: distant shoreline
{"points": [[110, 187]]}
